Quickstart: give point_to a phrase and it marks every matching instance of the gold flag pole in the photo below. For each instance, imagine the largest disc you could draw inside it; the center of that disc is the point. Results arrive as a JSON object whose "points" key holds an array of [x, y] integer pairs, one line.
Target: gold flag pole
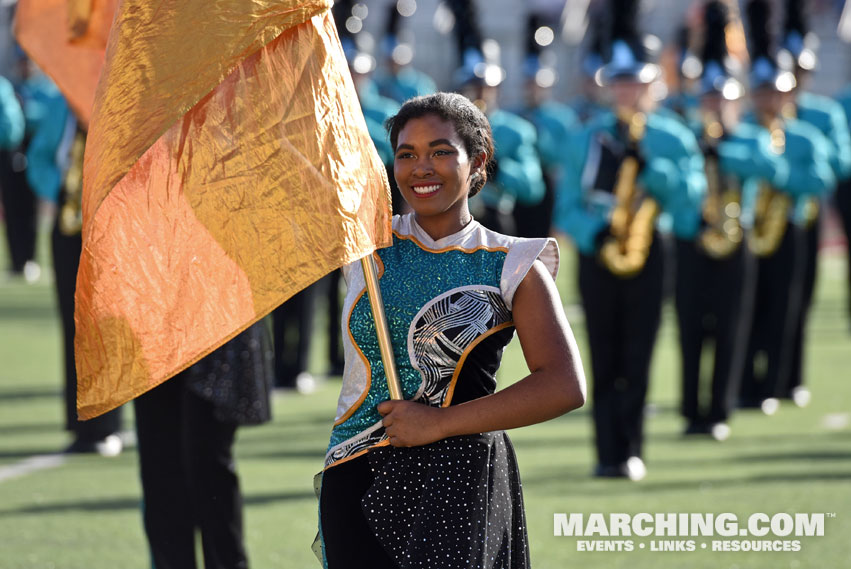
{"points": [[370, 274]]}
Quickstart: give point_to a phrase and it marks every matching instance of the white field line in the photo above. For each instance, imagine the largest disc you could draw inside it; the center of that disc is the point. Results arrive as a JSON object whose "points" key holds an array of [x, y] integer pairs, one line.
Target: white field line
{"points": [[31, 464]]}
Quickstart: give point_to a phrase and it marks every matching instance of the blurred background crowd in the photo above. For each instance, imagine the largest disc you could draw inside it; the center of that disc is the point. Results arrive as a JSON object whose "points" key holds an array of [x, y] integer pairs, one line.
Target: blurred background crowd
{"points": [[696, 151], [692, 149]]}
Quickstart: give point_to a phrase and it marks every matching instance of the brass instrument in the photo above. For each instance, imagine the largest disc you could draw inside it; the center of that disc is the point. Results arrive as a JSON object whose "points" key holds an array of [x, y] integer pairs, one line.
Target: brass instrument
{"points": [[771, 213], [71, 210], [625, 252], [722, 207], [808, 213], [78, 15]]}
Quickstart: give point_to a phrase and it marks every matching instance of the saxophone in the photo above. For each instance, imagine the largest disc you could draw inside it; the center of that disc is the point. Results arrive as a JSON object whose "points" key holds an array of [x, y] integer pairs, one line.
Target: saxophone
{"points": [[625, 252], [71, 211], [722, 207], [771, 212]]}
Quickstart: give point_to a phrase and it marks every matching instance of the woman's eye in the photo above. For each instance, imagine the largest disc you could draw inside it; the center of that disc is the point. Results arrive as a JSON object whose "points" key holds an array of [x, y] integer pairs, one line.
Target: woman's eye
{"points": [[403, 155], [442, 152]]}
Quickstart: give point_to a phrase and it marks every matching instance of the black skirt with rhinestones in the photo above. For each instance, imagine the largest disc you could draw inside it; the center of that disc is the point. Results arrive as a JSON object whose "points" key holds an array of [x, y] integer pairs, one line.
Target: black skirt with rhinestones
{"points": [[455, 503], [237, 377]]}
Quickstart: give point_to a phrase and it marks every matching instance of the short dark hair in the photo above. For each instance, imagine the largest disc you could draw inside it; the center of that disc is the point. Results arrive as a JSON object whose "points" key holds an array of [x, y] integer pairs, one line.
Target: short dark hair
{"points": [[470, 123]]}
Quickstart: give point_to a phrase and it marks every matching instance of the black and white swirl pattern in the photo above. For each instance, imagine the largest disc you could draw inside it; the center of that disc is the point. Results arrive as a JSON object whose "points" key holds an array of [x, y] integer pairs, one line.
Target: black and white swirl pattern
{"points": [[445, 327]]}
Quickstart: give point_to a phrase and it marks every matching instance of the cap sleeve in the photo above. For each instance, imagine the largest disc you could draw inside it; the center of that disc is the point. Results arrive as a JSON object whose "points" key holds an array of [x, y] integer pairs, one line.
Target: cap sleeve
{"points": [[348, 269], [519, 260]]}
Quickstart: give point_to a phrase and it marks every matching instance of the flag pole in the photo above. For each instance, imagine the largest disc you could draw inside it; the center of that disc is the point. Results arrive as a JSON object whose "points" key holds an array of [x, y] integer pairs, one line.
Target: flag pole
{"points": [[370, 274]]}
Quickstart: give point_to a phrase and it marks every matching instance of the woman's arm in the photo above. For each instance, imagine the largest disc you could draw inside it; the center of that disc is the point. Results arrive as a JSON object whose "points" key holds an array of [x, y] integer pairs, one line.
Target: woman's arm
{"points": [[555, 385]]}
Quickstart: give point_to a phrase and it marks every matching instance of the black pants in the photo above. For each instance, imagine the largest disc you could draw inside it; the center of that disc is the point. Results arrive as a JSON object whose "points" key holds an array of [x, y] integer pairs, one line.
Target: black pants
{"points": [[810, 237], [189, 480], [535, 220], [292, 330], [335, 308], [714, 298], [495, 220], [345, 529], [779, 287], [19, 206], [622, 317], [843, 204], [66, 259]]}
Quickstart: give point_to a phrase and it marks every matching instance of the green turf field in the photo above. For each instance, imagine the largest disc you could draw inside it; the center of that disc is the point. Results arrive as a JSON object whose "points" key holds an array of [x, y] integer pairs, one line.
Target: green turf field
{"points": [[85, 513]]}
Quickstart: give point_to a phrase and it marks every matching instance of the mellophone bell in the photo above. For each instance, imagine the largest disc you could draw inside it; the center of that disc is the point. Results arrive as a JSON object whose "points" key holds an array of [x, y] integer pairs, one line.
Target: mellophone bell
{"points": [[623, 169]]}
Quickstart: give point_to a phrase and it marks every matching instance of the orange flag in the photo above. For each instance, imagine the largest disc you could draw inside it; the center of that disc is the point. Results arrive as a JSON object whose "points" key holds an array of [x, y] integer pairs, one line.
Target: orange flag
{"points": [[67, 39], [227, 166]]}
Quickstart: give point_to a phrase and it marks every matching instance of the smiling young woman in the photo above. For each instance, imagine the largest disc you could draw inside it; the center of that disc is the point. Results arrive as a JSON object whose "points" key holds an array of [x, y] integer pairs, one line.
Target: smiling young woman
{"points": [[432, 480], [434, 170]]}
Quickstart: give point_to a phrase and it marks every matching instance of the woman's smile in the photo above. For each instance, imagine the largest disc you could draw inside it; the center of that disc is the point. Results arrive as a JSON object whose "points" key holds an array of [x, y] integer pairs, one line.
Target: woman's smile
{"points": [[425, 190]]}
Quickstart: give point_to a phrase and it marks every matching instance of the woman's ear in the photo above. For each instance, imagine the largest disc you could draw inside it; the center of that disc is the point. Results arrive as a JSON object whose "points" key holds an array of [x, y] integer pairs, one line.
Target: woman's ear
{"points": [[479, 162]]}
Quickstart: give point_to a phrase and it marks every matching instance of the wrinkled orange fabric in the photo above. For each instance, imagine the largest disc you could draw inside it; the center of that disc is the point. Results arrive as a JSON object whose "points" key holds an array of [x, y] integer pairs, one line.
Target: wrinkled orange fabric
{"points": [[67, 39], [227, 166]]}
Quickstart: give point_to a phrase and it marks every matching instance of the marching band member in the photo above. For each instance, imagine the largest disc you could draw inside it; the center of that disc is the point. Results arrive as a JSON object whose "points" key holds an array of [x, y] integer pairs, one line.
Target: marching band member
{"points": [[843, 194], [777, 239], [714, 269], [399, 80], [20, 112], [682, 100], [553, 123], [619, 172], [828, 117], [55, 157], [516, 176], [591, 98]]}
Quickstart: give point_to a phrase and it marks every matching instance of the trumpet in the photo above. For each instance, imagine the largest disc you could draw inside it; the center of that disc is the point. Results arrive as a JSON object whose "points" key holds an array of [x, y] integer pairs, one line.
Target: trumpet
{"points": [[722, 207], [625, 252], [771, 212], [71, 212]]}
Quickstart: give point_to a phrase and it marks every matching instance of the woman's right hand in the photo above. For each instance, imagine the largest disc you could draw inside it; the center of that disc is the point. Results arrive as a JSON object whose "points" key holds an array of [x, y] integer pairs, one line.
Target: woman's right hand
{"points": [[409, 424]]}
